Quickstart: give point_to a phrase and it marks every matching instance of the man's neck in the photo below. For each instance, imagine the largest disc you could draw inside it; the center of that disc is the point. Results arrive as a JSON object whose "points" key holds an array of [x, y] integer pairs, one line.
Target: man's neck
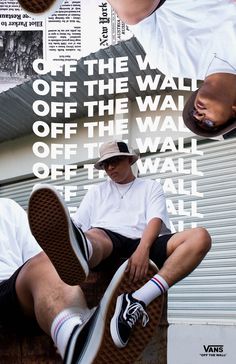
{"points": [[127, 180]]}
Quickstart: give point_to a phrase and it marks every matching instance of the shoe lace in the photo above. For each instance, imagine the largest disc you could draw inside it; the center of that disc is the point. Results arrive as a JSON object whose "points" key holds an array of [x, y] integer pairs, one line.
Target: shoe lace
{"points": [[135, 312]]}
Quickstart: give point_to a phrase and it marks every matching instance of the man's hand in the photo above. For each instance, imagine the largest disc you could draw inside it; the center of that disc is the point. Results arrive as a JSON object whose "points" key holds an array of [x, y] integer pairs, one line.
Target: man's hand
{"points": [[138, 264], [139, 261]]}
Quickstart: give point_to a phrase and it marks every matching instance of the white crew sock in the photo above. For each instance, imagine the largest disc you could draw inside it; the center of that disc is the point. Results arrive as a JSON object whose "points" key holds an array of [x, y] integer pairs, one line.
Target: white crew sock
{"points": [[63, 325], [151, 290]]}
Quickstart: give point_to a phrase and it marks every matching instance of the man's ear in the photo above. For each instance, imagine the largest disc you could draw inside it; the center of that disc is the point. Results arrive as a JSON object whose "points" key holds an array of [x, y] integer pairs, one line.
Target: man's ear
{"points": [[130, 160]]}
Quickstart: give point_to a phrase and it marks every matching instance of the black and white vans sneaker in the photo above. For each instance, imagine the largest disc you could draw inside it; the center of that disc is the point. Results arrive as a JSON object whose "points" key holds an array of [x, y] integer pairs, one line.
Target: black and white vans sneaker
{"points": [[52, 227], [92, 343], [127, 313]]}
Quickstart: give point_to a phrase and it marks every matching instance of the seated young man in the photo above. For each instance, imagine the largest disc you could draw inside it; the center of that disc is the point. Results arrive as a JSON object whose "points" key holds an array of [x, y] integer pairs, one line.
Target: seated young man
{"points": [[191, 39], [126, 217], [32, 295]]}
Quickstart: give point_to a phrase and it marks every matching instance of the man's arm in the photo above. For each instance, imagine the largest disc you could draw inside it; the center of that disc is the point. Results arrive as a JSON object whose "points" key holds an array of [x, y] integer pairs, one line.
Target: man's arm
{"points": [[157, 222], [133, 11], [138, 262]]}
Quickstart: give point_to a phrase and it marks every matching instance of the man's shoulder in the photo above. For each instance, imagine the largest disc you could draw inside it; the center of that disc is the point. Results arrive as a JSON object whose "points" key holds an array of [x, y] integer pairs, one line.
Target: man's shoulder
{"points": [[8, 203], [98, 186], [9, 207], [148, 182]]}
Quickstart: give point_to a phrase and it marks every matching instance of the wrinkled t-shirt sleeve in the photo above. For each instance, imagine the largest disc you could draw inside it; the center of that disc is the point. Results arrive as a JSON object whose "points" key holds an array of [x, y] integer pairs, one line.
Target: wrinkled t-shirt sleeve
{"points": [[156, 207], [82, 217], [25, 239]]}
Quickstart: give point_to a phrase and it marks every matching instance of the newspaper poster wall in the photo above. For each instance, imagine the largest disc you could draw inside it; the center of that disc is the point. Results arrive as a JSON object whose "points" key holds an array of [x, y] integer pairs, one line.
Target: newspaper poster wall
{"points": [[66, 33], [75, 76]]}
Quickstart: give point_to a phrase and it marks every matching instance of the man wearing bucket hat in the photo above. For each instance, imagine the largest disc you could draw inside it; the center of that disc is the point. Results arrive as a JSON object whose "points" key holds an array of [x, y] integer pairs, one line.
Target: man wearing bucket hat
{"points": [[191, 39], [122, 217]]}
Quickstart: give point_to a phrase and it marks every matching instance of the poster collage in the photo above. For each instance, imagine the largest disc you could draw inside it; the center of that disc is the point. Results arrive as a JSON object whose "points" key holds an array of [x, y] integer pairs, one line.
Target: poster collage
{"points": [[88, 86]]}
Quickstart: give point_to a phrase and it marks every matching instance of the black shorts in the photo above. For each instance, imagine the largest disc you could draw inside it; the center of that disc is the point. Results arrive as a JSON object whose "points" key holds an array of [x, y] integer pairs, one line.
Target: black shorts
{"points": [[124, 247], [11, 314]]}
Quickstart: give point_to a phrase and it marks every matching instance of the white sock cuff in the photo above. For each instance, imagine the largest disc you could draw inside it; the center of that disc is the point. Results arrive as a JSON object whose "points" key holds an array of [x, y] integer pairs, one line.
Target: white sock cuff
{"points": [[160, 282], [61, 318]]}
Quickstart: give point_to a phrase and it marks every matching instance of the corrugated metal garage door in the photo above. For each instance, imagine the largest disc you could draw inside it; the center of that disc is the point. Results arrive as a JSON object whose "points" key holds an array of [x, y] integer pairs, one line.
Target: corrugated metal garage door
{"points": [[208, 295], [20, 191]]}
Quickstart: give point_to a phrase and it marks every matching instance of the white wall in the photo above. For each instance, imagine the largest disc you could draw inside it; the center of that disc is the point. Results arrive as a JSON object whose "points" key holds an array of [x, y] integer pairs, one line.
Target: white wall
{"points": [[201, 344]]}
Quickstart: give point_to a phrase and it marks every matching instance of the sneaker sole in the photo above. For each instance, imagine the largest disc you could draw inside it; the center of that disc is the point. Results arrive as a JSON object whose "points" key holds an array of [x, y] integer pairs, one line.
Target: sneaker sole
{"points": [[100, 348], [51, 226], [39, 8]]}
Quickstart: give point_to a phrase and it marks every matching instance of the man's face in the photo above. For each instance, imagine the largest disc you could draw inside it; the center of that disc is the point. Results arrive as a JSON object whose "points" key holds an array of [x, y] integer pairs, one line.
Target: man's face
{"points": [[119, 169], [210, 111]]}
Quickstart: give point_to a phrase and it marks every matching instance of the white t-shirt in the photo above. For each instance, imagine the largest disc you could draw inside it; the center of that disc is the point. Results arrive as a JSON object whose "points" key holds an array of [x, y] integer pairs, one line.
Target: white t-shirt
{"points": [[103, 207], [17, 244], [190, 38]]}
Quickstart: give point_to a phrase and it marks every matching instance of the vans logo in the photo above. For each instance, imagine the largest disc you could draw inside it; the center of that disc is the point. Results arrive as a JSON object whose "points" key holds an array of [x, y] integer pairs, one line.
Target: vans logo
{"points": [[213, 351], [213, 348]]}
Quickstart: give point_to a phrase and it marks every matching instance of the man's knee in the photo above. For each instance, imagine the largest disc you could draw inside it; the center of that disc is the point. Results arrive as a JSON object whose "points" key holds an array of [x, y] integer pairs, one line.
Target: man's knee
{"points": [[101, 244], [36, 267], [27, 280], [39, 259], [98, 236], [203, 239], [196, 239]]}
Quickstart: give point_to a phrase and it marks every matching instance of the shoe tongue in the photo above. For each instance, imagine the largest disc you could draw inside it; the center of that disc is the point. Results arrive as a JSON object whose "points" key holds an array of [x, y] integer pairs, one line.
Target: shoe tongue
{"points": [[133, 300]]}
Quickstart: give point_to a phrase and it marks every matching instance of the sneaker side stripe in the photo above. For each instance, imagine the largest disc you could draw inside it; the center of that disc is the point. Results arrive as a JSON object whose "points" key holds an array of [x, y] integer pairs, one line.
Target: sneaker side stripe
{"points": [[85, 244], [80, 235], [116, 335]]}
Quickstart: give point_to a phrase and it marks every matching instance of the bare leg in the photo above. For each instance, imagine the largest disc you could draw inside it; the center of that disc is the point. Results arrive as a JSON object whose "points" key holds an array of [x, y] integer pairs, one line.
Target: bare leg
{"points": [[102, 246], [185, 251], [133, 11], [43, 294]]}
